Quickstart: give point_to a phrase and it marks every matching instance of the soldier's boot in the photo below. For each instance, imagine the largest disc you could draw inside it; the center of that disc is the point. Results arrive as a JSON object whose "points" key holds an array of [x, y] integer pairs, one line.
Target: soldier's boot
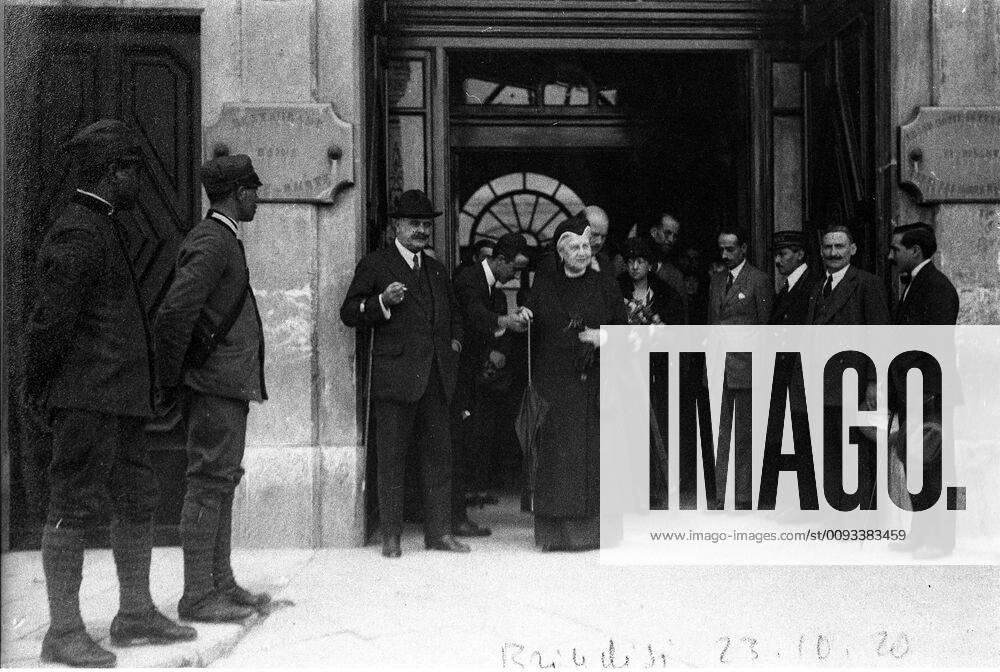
{"points": [[201, 601], [66, 640], [138, 621], [222, 568]]}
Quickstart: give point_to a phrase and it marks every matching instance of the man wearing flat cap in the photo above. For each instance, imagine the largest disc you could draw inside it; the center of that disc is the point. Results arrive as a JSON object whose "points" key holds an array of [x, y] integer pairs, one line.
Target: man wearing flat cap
{"points": [[791, 303], [210, 357], [88, 355], [403, 294]]}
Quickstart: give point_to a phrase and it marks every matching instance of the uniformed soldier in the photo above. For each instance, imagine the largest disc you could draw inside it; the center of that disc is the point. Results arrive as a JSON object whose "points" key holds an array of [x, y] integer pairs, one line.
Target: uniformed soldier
{"points": [[211, 303], [88, 371]]}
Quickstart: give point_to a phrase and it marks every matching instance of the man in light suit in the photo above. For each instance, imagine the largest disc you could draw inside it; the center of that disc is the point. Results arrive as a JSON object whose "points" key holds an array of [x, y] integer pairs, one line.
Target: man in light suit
{"points": [[404, 295], [929, 298], [741, 295]]}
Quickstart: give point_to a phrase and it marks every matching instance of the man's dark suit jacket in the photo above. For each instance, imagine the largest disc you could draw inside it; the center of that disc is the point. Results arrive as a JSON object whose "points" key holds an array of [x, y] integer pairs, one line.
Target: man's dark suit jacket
{"points": [[857, 299], [87, 344], [417, 331], [479, 312], [792, 307], [931, 299]]}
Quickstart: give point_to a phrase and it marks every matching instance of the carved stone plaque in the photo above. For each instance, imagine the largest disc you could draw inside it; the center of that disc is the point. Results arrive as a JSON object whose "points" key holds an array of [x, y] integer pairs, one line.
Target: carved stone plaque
{"points": [[302, 152], [952, 154]]}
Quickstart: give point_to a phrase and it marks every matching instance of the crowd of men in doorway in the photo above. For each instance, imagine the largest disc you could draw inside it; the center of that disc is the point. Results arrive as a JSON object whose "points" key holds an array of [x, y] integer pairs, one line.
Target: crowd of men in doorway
{"points": [[97, 370]]}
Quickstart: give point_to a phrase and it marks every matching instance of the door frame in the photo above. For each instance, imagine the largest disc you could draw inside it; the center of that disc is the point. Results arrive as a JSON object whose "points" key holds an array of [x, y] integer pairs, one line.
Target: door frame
{"points": [[758, 55]]}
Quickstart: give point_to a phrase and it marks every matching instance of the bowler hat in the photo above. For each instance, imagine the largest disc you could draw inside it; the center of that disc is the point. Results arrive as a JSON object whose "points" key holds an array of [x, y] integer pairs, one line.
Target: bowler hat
{"points": [[102, 142], [222, 174], [789, 239], [413, 204]]}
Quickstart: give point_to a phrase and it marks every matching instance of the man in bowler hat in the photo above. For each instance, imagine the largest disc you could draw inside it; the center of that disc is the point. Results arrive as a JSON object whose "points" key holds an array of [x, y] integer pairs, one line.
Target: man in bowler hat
{"points": [[88, 356], [403, 294], [211, 293]]}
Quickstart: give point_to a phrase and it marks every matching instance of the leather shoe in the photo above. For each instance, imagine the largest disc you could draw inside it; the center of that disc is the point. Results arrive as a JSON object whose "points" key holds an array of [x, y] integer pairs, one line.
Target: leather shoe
{"points": [[467, 528], [151, 627], [215, 608], [76, 649], [447, 543], [390, 546], [237, 594]]}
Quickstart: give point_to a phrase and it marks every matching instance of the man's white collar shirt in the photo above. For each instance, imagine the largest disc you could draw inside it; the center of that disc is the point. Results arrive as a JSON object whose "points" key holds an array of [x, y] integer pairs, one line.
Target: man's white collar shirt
{"points": [[490, 278], [111, 208], [794, 276], [405, 253], [736, 271], [917, 268], [837, 277], [225, 219]]}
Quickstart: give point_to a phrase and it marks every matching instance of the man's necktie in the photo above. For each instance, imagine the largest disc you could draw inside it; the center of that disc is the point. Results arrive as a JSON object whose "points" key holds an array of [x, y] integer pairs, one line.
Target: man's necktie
{"points": [[416, 263], [783, 289], [827, 286], [729, 282]]}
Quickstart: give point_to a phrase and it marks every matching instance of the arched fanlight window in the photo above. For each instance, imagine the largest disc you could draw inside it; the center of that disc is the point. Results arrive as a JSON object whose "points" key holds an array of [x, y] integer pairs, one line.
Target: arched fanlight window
{"points": [[526, 203]]}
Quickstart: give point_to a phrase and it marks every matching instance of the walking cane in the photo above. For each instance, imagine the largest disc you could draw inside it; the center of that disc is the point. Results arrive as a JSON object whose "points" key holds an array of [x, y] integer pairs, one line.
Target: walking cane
{"points": [[368, 389]]}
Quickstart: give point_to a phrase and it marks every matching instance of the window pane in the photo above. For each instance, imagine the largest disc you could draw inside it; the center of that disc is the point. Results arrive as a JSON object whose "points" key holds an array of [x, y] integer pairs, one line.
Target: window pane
{"points": [[787, 173], [786, 87], [406, 154], [406, 83], [512, 95], [478, 90]]}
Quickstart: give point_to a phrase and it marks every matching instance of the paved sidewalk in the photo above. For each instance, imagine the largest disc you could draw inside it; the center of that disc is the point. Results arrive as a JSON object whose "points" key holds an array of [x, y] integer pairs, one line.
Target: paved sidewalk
{"points": [[507, 606], [25, 609]]}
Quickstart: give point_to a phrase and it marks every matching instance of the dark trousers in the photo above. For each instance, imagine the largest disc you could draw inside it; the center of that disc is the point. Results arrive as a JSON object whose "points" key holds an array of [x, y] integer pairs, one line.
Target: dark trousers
{"points": [[95, 455], [475, 441], [426, 420], [216, 438], [935, 526], [736, 403]]}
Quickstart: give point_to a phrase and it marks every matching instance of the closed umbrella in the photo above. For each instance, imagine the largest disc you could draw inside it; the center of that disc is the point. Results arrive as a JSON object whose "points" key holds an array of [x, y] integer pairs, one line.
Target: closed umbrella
{"points": [[528, 424]]}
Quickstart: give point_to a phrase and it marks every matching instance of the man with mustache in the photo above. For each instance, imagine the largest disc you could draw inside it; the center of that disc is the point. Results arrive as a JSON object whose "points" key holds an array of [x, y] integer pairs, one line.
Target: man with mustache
{"points": [[846, 295], [742, 295], [403, 294]]}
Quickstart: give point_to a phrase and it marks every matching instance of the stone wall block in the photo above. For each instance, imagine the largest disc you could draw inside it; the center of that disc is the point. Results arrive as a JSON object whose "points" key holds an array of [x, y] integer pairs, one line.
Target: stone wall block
{"points": [[281, 250], [275, 498], [341, 498], [278, 50]]}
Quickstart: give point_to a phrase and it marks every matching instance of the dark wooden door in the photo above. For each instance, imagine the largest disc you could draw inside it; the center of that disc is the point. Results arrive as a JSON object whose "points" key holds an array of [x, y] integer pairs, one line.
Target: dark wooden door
{"points": [[846, 141], [74, 68]]}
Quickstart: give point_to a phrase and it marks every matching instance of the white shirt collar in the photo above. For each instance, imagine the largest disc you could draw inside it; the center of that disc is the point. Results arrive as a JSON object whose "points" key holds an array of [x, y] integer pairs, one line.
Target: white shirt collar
{"points": [[104, 201], [794, 276], [916, 269], [490, 278], [406, 254], [225, 219], [736, 271], [838, 276]]}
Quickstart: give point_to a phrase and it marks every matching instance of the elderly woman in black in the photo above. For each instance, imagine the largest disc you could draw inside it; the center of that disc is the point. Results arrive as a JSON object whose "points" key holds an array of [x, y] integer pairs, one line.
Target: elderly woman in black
{"points": [[648, 300], [569, 306]]}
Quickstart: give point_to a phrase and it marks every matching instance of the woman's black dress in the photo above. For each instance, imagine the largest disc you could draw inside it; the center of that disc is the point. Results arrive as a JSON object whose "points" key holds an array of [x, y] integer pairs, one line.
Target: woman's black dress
{"points": [[567, 375]]}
